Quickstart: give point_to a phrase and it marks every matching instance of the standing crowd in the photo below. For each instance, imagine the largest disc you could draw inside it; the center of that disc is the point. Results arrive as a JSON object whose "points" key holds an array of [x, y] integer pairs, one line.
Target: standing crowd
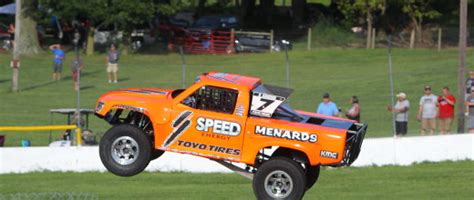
{"points": [[434, 112], [77, 65]]}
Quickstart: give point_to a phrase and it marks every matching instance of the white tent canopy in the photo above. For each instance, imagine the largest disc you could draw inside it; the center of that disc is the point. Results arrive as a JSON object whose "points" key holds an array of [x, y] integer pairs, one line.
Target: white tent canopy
{"points": [[8, 9]]}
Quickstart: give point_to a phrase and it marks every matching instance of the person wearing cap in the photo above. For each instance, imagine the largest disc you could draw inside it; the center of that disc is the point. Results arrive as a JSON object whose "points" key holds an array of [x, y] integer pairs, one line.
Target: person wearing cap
{"points": [[400, 109], [470, 110], [428, 111], [112, 64], [327, 107], [446, 103]]}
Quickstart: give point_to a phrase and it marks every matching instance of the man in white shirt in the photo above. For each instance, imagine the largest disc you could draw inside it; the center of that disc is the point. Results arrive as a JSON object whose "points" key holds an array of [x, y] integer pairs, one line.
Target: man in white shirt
{"points": [[428, 111]]}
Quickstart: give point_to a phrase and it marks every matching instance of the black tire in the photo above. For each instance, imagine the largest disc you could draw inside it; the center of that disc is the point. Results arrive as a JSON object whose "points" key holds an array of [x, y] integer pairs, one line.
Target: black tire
{"points": [[135, 140], [312, 175], [156, 154], [291, 173]]}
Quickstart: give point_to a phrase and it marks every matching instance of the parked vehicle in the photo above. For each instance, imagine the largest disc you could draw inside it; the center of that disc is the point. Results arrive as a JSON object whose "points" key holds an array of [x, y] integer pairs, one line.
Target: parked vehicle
{"points": [[259, 43]]}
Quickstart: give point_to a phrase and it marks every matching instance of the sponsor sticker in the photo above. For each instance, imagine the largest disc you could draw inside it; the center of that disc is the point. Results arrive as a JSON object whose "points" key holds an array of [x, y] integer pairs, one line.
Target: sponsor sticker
{"points": [[218, 126], [286, 134], [328, 154], [207, 147], [180, 125]]}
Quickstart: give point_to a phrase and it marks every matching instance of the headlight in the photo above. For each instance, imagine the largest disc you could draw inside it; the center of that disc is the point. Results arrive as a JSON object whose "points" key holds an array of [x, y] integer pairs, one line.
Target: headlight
{"points": [[99, 107]]}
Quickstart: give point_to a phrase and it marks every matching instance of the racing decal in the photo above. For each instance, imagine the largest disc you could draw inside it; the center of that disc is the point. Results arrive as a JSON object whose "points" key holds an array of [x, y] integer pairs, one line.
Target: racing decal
{"points": [[286, 134], [328, 154], [132, 108], [181, 117], [207, 147], [239, 111], [264, 105], [180, 125], [218, 126], [146, 91]]}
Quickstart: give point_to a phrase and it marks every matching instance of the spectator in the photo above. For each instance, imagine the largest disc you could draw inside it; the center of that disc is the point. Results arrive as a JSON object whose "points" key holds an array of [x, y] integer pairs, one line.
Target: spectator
{"points": [[112, 64], [446, 111], [11, 31], [327, 107], [401, 114], [469, 84], [76, 68], [470, 111], [58, 61], [354, 112], [427, 112]]}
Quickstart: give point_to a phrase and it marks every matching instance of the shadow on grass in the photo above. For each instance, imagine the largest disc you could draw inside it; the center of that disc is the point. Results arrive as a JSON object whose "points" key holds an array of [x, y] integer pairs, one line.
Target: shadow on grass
{"points": [[63, 79], [5, 80], [87, 87]]}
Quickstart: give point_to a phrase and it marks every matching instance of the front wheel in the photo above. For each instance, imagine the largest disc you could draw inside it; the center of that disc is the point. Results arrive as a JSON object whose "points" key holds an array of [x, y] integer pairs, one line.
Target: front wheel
{"points": [[279, 178], [125, 150]]}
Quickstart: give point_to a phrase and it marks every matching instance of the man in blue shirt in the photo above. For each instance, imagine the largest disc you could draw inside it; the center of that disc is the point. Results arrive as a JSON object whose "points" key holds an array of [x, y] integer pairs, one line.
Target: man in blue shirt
{"points": [[57, 61], [327, 107]]}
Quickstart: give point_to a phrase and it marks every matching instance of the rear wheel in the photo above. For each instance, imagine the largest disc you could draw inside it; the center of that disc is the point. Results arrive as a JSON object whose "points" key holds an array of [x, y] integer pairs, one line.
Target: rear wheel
{"points": [[279, 178], [312, 175], [125, 150]]}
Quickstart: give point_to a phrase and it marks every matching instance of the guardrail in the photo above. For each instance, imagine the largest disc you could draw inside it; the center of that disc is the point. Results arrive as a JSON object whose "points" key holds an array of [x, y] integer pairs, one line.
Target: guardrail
{"points": [[46, 128]]}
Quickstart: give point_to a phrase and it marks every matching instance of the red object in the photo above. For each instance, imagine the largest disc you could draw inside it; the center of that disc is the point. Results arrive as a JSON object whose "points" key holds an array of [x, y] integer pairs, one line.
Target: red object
{"points": [[2, 140], [446, 110]]}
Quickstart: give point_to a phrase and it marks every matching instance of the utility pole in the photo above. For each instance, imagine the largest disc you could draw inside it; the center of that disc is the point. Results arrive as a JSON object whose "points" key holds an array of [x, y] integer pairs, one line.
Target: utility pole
{"points": [[462, 63], [15, 64]]}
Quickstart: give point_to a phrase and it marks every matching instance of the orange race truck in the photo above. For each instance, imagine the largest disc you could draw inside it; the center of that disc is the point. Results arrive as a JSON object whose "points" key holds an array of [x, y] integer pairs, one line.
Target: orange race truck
{"points": [[230, 119]]}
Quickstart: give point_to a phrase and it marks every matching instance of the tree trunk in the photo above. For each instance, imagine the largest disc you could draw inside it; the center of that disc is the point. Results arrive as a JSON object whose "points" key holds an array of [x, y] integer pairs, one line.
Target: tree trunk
{"points": [[419, 31], [201, 5], [268, 6], [27, 43], [462, 63], [412, 38], [298, 8], [369, 28], [246, 9], [90, 41]]}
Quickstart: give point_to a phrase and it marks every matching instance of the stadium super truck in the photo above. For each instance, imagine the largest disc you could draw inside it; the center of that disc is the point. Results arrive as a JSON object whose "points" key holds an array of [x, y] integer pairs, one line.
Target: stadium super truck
{"points": [[230, 119]]}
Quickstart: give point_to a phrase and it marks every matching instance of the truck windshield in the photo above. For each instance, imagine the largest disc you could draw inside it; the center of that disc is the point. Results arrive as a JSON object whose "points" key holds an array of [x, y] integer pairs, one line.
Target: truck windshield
{"points": [[277, 96]]}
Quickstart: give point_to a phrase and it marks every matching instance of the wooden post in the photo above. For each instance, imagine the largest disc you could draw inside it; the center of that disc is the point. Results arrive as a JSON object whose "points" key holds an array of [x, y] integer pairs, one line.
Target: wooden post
{"points": [[373, 38], [439, 38], [462, 63], [271, 40], [369, 37], [16, 49], [309, 39], [412, 39]]}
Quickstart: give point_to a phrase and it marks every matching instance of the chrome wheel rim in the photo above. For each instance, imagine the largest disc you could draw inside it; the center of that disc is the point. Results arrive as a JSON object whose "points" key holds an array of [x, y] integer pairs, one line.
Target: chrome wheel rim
{"points": [[125, 150], [278, 184]]}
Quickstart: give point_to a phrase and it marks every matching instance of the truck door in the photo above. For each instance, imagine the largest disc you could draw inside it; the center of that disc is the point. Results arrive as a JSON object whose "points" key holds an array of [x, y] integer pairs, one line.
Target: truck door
{"points": [[211, 122]]}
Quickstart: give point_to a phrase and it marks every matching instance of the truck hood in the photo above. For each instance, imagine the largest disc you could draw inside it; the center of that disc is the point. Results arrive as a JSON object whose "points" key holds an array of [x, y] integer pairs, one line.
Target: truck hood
{"points": [[139, 99]]}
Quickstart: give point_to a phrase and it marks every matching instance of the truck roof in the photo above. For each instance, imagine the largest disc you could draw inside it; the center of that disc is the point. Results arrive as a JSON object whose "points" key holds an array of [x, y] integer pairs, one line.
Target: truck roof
{"points": [[246, 81]]}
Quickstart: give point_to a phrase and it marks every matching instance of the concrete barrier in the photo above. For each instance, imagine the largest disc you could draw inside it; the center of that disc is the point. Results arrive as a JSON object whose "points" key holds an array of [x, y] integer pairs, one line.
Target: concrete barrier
{"points": [[376, 151]]}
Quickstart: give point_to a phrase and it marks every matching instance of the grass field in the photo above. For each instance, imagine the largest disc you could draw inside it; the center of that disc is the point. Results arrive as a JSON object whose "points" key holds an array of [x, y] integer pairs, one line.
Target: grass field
{"points": [[446, 180], [341, 72]]}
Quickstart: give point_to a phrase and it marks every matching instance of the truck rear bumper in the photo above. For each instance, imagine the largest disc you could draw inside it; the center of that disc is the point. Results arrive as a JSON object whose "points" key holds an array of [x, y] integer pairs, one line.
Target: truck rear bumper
{"points": [[353, 144]]}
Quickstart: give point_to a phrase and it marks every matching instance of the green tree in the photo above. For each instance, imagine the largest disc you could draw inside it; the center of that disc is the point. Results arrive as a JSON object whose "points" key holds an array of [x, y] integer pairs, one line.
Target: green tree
{"points": [[127, 14], [94, 10], [355, 9], [418, 10]]}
